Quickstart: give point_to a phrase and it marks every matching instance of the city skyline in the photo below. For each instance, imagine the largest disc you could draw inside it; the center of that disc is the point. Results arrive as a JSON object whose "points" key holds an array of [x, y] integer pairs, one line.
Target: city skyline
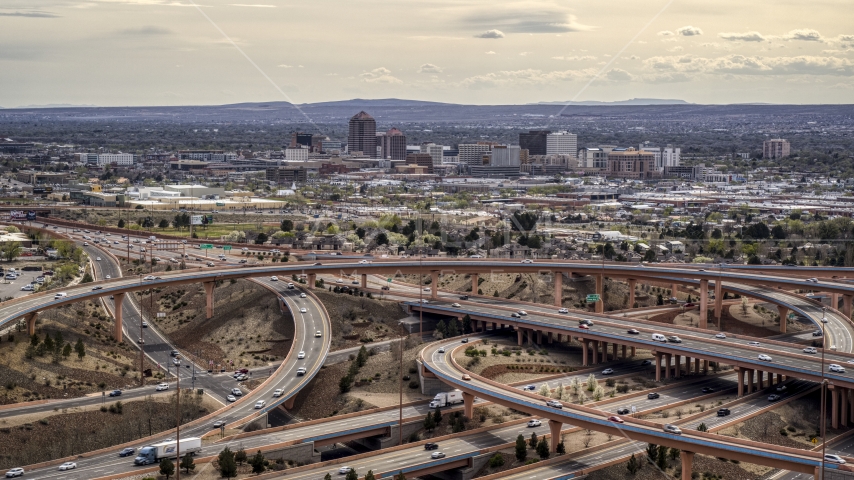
{"points": [[191, 52]]}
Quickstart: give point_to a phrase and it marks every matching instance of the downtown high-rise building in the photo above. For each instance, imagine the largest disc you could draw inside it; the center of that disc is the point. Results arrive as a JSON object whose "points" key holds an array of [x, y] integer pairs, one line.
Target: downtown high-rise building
{"points": [[362, 135], [775, 148], [535, 141], [436, 152], [562, 143], [393, 144], [471, 154]]}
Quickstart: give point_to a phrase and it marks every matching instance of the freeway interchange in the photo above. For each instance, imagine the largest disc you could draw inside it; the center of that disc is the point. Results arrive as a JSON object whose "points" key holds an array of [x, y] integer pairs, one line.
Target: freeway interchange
{"points": [[787, 360]]}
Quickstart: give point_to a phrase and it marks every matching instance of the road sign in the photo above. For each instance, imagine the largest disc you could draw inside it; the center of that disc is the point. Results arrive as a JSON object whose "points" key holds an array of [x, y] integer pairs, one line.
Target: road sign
{"points": [[814, 440], [593, 297], [388, 280], [226, 247], [206, 246], [161, 314], [634, 409]]}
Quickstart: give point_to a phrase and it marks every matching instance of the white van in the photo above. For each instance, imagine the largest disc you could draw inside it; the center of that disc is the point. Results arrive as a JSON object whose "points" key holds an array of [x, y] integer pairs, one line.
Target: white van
{"points": [[659, 337], [60, 295]]}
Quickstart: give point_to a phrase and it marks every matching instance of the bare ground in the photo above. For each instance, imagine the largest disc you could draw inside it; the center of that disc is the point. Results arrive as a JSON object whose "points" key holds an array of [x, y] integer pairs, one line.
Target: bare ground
{"points": [[703, 466], [360, 318]]}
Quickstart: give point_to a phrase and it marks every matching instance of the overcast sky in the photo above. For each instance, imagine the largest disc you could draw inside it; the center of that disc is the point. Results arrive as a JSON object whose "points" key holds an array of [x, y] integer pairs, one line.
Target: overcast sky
{"points": [[166, 52]]}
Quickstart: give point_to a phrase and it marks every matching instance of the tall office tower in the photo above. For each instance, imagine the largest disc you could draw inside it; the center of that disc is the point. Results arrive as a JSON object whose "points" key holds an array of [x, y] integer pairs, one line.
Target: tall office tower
{"points": [[472, 154], [362, 136], [394, 145], [505, 156], [299, 138], [562, 143], [775, 148], [534, 141], [435, 151], [668, 156]]}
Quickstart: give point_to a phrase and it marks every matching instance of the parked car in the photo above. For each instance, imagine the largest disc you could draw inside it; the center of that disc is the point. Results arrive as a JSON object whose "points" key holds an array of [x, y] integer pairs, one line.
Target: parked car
{"points": [[236, 392]]}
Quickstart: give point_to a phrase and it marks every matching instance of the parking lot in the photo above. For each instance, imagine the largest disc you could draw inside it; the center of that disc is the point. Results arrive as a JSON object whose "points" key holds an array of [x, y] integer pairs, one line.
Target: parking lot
{"points": [[12, 288]]}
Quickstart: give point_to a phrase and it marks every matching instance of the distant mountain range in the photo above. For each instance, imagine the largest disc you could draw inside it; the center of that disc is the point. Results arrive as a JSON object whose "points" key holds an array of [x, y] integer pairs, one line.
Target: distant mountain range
{"points": [[633, 101], [56, 105]]}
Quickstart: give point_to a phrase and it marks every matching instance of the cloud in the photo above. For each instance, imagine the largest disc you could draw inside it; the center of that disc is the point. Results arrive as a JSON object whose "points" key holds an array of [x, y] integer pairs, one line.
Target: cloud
{"points": [[634, 57], [576, 58], [665, 33], [751, 65], [523, 54], [523, 77], [490, 34], [490, 52], [518, 17], [286, 66], [743, 37], [380, 75], [146, 31], [804, 34], [30, 14], [429, 68], [619, 75], [689, 31]]}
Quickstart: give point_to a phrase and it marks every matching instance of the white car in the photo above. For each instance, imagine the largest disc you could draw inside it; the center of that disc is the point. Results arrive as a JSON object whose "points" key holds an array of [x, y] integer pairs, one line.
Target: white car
{"points": [[344, 470], [67, 466], [108, 277], [339, 280], [301, 355], [534, 423], [810, 350], [424, 300], [830, 458], [364, 261], [162, 386], [522, 312], [753, 344], [763, 357], [15, 472], [720, 335], [278, 392], [231, 398], [27, 288], [456, 305], [302, 295], [527, 260], [672, 429], [301, 371], [274, 278], [836, 368], [563, 310], [98, 259], [303, 310], [260, 404], [608, 371], [437, 455], [317, 334]]}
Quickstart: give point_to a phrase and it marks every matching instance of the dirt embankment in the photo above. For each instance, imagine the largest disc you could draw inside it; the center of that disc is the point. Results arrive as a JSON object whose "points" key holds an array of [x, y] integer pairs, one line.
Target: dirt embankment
{"points": [[60, 435], [247, 327], [705, 468], [357, 318]]}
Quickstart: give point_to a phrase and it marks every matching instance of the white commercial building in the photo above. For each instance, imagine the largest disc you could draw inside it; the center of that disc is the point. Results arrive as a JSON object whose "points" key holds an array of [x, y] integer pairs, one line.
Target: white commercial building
{"points": [[296, 154], [471, 155], [115, 159], [562, 143], [435, 152], [668, 156], [505, 156]]}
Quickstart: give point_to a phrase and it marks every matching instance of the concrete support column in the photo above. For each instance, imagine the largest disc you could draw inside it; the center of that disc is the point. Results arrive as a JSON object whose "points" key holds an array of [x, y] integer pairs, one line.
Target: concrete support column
{"points": [[554, 439], [600, 289], [595, 352], [584, 352], [530, 336], [31, 323], [667, 358], [759, 377], [434, 284], [779, 378], [697, 366], [209, 298], [311, 279], [740, 372], [843, 406], [850, 403], [474, 283], [834, 300], [719, 300], [705, 367], [118, 300], [783, 312], [519, 337], [364, 281], [677, 365], [834, 415], [846, 305], [632, 284], [289, 403], [495, 326], [559, 338], [539, 337], [749, 381], [468, 404], [704, 303], [658, 366], [633, 352], [558, 289], [624, 352], [687, 464], [549, 338], [687, 365], [674, 289]]}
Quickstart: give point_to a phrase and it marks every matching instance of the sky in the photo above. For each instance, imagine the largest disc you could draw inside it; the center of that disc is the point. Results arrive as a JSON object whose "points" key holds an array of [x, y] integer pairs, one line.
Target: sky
{"points": [[212, 52]]}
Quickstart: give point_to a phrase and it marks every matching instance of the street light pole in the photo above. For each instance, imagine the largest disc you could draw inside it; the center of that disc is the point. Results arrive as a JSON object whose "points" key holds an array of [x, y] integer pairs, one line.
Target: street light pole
{"points": [[178, 413], [823, 390]]}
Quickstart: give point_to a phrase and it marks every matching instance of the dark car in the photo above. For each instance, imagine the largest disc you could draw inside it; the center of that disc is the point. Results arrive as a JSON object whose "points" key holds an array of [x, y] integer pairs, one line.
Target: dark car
{"points": [[464, 297], [431, 446], [127, 451], [317, 264], [816, 333], [723, 412], [116, 393], [633, 332], [385, 287], [465, 340], [708, 389], [623, 411], [174, 353], [652, 396]]}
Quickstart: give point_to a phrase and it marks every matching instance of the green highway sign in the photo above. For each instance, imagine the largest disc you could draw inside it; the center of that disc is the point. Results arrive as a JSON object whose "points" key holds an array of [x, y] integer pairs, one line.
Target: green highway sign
{"points": [[593, 297], [226, 247], [388, 280], [206, 246]]}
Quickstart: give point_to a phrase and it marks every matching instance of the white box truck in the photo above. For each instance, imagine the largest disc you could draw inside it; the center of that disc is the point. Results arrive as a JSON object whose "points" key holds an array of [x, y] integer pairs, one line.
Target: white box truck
{"points": [[154, 453], [446, 398]]}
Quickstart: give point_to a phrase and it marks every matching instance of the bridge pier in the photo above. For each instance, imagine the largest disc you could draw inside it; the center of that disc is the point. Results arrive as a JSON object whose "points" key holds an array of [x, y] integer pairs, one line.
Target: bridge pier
{"points": [[687, 464], [312, 277], [719, 300], [677, 366], [600, 287], [434, 284], [740, 372], [209, 297], [364, 280], [674, 289], [657, 366], [624, 352], [118, 300], [550, 339], [749, 381], [697, 366], [554, 430], [558, 289], [519, 337], [667, 358], [834, 300], [846, 305], [289, 403], [474, 280], [784, 313], [704, 303], [31, 322], [632, 284], [584, 352], [843, 406], [633, 352], [468, 405], [539, 337], [595, 352]]}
